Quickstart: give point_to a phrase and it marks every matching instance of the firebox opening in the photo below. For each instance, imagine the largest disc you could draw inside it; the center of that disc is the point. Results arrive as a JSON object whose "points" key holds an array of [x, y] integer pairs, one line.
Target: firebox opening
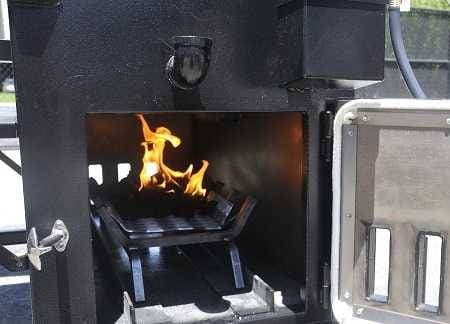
{"points": [[188, 196]]}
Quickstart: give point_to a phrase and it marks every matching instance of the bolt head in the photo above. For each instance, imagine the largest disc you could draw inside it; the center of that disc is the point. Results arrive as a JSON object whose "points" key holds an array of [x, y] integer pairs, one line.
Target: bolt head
{"points": [[365, 118], [359, 311], [347, 295]]}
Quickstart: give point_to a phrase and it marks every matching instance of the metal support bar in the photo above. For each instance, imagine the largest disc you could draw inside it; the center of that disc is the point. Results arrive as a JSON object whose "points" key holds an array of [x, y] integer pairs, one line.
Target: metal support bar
{"points": [[36, 3], [8, 130], [12, 262], [138, 278], [129, 311], [5, 50], [236, 264], [9, 162], [13, 237]]}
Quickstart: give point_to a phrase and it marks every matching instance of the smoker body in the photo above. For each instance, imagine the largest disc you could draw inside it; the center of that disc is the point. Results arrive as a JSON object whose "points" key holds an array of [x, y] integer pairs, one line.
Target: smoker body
{"points": [[82, 57]]}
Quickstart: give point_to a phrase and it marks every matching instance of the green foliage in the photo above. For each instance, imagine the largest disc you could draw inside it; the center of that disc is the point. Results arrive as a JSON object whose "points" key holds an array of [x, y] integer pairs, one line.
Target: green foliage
{"points": [[431, 4], [7, 97]]}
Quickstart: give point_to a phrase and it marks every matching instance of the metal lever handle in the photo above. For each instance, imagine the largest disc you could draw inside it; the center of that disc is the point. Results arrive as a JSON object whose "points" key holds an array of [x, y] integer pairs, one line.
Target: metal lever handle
{"points": [[57, 239]]}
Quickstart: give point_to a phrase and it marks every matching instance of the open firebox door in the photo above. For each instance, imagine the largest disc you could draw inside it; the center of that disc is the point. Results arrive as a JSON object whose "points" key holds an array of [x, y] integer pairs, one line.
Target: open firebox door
{"points": [[391, 190]]}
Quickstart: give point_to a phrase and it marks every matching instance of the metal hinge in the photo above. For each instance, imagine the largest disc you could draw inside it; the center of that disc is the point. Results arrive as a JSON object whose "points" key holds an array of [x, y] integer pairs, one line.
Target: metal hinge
{"points": [[325, 289], [58, 240], [326, 135]]}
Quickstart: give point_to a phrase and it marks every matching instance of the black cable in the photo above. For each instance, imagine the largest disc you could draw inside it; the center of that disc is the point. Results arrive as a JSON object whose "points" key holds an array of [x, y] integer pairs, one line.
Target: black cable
{"points": [[401, 56]]}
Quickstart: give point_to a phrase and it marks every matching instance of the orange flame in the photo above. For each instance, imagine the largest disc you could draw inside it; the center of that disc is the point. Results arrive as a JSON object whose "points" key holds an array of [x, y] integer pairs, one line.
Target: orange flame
{"points": [[194, 186], [155, 173]]}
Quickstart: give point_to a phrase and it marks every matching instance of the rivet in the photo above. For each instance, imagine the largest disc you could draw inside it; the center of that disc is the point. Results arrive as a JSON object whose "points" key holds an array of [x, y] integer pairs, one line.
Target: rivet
{"points": [[348, 215], [365, 118], [350, 133], [347, 295], [359, 311]]}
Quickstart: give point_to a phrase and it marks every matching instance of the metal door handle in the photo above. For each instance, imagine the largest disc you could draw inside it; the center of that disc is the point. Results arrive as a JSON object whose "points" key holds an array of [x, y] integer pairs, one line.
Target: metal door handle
{"points": [[57, 239]]}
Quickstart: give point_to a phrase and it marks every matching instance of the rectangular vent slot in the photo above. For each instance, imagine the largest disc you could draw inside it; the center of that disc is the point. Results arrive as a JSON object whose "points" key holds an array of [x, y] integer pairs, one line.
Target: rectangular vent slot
{"points": [[123, 169], [379, 255], [429, 272], [96, 172]]}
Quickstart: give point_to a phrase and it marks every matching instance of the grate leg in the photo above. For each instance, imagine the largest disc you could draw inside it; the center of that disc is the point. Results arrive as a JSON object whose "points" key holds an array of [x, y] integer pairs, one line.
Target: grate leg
{"points": [[236, 264], [138, 279]]}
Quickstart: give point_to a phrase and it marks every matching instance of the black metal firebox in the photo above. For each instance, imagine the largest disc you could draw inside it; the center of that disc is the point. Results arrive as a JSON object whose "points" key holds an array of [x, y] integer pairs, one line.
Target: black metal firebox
{"points": [[250, 86], [252, 260], [250, 154]]}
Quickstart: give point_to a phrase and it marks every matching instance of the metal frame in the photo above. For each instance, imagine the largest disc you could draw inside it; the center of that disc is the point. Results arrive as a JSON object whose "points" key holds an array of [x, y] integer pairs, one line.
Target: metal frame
{"points": [[349, 152], [138, 278], [236, 265], [376, 114], [134, 242]]}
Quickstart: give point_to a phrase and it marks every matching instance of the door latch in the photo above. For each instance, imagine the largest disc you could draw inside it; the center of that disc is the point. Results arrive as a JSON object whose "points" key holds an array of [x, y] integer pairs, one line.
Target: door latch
{"points": [[57, 239]]}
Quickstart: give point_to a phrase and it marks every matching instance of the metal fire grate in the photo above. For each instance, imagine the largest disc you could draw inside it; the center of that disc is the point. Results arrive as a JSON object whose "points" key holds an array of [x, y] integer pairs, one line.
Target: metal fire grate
{"points": [[168, 224], [220, 225], [175, 224]]}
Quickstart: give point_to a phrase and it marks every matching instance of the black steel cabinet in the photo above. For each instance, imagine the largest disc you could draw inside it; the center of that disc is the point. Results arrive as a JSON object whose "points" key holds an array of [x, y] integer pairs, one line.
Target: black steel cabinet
{"points": [[77, 57]]}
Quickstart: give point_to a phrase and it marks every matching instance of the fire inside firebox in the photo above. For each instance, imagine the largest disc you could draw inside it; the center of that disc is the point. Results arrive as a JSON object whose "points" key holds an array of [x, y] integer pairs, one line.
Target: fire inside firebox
{"points": [[156, 174], [224, 191], [158, 190]]}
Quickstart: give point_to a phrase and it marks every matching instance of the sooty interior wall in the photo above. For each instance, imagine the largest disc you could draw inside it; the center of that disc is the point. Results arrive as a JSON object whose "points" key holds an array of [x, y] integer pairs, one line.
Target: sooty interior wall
{"points": [[262, 154]]}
